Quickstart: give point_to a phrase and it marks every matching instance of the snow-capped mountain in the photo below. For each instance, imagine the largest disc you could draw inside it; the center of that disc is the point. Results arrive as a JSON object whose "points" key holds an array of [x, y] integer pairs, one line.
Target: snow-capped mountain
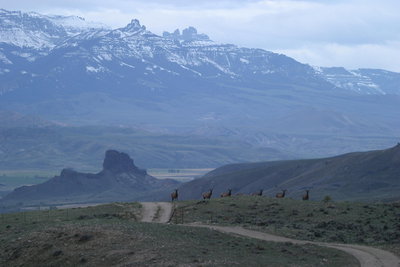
{"points": [[189, 52], [41, 32], [68, 70], [363, 81], [29, 36]]}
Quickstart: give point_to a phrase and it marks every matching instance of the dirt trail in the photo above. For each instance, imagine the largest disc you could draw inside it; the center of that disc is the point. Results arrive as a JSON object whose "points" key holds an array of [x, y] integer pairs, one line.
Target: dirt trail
{"points": [[367, 256], [159, 212]]}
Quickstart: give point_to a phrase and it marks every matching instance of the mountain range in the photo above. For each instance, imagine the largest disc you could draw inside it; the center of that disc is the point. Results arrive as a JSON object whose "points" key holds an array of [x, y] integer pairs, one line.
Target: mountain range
{"points": [[74, 72]]}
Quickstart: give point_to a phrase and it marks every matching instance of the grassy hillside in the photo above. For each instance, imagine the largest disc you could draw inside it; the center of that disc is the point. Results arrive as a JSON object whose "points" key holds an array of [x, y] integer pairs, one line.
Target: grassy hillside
{"points": [[110, 235], [366, 176], [343, 222]]}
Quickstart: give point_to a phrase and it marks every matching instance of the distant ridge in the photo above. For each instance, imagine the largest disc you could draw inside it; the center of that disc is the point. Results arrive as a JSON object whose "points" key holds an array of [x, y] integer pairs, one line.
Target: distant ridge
{"points": [[9, 119], [120, 180], [366, 176]]}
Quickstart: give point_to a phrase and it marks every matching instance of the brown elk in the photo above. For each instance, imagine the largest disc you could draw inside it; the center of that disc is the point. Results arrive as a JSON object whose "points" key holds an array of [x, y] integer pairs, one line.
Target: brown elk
{"points": [[227, 194], [281, 195], [306, 195], [207, 195], [174, 195], [259, 193]]}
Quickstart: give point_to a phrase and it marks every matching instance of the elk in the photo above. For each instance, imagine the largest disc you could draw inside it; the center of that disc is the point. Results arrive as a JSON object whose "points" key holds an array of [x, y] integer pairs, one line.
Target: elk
{"points": [[281, 195], [174, 195], [227, 194], [306, 196], [259, 193], [207, 195]]}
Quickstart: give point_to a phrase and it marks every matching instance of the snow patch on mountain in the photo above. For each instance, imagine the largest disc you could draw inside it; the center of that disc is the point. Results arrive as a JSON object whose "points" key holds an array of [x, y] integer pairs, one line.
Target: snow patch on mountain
{"points": [[4, 59], [352, 80], [33, 30], [219, 67], [127, 65], [94, 69], [75, 24], [243, 60], [21, 38]]}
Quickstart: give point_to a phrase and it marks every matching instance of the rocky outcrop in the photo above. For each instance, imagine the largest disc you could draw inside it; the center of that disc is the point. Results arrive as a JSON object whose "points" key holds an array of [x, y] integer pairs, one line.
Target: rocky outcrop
{"points": [[188, 34], [120, 180], [119, 162]]}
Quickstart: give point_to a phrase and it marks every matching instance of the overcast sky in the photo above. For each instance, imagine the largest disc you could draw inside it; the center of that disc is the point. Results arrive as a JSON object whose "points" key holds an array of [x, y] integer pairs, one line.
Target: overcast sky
{"points": [[352, 33]]}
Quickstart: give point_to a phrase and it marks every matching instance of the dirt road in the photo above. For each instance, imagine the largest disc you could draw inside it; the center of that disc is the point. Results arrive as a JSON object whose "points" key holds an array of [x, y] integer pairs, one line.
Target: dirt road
{"points": [[159, 212], [367, 256]]}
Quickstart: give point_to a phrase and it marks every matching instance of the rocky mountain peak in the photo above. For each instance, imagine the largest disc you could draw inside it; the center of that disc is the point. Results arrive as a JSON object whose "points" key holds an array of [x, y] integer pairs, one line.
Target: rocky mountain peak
{"points": [[134, 26], [118, 162], [188, 34]]}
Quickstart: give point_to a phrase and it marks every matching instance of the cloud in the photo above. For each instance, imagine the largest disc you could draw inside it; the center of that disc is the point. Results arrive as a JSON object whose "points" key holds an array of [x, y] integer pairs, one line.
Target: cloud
{"points": [[309, 30]]}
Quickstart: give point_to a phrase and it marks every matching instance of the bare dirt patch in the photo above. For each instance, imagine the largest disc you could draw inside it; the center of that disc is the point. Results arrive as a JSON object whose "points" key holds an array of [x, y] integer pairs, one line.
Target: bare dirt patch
{"points": [[159, 212]]}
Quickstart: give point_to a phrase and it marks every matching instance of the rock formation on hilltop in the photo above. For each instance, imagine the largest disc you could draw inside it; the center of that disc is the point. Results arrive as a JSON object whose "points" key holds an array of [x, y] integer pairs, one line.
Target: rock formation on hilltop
{"points": [[188, 34], [118, 162], [120, 180]]}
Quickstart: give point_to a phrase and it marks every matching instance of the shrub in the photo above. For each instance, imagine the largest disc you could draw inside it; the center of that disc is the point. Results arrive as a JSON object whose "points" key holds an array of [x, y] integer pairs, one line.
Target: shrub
{"points": [[327, 199]]}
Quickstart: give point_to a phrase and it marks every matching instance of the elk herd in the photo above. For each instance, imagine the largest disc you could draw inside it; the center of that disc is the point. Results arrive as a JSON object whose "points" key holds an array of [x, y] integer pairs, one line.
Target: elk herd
{"points": [[208, 194]]}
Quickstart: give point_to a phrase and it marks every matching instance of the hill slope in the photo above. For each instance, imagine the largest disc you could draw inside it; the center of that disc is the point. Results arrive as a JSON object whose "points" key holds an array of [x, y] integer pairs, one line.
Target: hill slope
{"points": [[356, 176]]}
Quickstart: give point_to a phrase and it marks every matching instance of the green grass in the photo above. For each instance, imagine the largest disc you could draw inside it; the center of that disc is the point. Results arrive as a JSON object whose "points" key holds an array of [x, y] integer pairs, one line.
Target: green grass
{"points": [[88, 237], [343, 222], [114, 210]]}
